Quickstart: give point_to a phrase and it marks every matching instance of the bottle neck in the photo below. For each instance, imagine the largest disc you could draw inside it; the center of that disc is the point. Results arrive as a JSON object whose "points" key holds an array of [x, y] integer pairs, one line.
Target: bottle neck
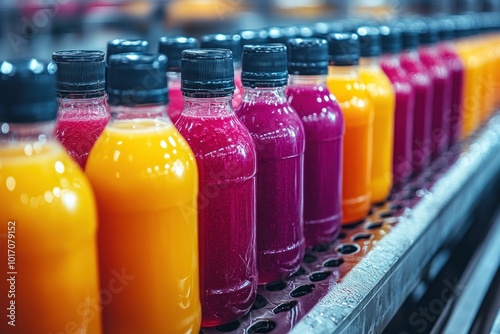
{"points": [[82, 101], [307, 80], [344, 71], [173, 76], [208, 107], [92, 95], [369, 62], [40, 132], [147, 111]]}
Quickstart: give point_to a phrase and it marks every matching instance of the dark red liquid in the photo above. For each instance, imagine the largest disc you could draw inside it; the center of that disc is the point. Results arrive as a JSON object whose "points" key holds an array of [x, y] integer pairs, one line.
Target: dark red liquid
{"points": [[176, 102], [324, 128], [403, 119]]}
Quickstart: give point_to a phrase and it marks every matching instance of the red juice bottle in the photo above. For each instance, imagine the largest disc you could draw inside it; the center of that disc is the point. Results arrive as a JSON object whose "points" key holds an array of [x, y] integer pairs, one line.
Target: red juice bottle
{"points": [[82, 110], [172, 47], [278, 134], [405, 104], [231, 42], [424, 91], [226, 158], [324, 129], [442, 82], [120, 45]]}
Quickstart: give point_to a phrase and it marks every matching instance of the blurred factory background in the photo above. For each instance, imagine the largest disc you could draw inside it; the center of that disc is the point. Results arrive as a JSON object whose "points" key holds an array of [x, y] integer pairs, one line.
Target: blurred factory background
{"points": [[35, 27]]}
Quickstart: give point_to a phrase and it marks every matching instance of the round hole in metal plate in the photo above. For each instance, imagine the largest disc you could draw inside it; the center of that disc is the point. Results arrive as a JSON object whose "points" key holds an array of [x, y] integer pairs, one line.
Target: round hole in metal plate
{"points": [[386, 214], [374, 225], [259, 302], [262, 326], [342, 235], [334, 262], [309, 258], [302, 290], [285, 307], [362, 236], [396, 206], [321, 248], [348, 249], [299, 272], [228, 327], [319, 276], [275, 286]]}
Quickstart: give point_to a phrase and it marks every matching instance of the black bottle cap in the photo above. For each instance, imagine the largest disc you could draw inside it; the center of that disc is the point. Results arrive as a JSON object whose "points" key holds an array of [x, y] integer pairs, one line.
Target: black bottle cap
{"points": [[391, 39], [27, 91], [369, 41], [305, 31], [343, 49], [80, 71], [282, 34], [223, 41], [446, 28], [172, 47], [308, 56], [120, 45], [428, 31], [137, 79], [410, 37], [264, 65], [207, 73], [253, 36]]}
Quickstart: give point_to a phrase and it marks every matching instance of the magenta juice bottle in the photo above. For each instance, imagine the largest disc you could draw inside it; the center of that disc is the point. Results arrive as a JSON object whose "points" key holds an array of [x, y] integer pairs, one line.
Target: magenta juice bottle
{"points": [[82, 110], [278, 134], [442, 80], [405, 105], [172, 47], [424, 91], [231, 42], [456, 68], [324, 128], [226, 158]]}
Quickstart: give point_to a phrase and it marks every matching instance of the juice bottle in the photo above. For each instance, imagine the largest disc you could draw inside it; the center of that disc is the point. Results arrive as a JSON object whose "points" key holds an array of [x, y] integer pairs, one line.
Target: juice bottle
{"points": [[424, 92], [48, 233], [456, 68], [442, 82], [324, 128], [345, 83], [404, 107], [231, 42], [172, 47], [488, 55], [227, 162], [83, 112], [278, 134], [383, 101], [145, 179], [120, 45]]}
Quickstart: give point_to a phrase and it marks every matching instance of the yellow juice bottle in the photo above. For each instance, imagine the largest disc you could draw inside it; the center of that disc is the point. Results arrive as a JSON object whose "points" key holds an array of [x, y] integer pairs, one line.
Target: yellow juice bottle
{"points": [[145, 179], [47, 219]]}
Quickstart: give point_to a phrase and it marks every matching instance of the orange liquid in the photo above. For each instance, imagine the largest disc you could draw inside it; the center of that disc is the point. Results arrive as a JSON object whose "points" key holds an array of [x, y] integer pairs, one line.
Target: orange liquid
{"points": [[383, 100], [357, 151], [146, 183], [50, 200]]}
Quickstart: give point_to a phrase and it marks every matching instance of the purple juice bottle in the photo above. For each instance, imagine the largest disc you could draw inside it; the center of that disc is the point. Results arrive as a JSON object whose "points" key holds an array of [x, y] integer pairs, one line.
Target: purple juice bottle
{"points": [[226, 158], [324, 129], [441, 109], [424, 92], [405, 105], [278, 134], [82, 109]]}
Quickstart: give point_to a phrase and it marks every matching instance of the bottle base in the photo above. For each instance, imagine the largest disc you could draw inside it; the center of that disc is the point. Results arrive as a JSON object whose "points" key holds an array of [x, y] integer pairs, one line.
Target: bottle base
{"points": [[324, 231], [280, 264], [355, 210]]}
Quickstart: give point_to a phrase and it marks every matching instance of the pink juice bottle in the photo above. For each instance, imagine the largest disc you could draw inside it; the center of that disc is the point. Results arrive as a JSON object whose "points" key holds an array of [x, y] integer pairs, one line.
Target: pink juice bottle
{"points": [[82, 110], [278, 134], [405, 105], [172, 47], [324, 129], [231, 42], [226, 158], [422, 82], [457, 70], [441, 109]]}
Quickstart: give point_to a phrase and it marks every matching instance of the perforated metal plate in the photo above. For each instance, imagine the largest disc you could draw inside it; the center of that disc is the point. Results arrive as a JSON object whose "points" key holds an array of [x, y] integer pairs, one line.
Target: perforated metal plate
{"points": [[357, 283]]}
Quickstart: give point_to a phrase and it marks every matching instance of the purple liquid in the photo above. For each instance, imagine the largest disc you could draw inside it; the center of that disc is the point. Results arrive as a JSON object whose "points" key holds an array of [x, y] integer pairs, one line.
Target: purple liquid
{"points": [[226, 160], [403, 119], [457, 71], [422, 121], [441, 108], [324, 128], [279, 137], [78, 129]]}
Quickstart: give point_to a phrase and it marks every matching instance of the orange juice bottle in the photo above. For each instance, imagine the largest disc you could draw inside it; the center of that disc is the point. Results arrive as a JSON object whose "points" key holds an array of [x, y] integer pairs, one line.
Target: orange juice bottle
{"points": [[382, 97], [145, 179], [344, 82], [49, 278]]}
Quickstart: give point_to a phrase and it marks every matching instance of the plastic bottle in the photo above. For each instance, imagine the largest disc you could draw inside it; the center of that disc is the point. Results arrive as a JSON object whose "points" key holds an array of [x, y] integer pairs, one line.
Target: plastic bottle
{"points": [[278, 134], [345, 83], [253, 36], [424, 88], [231, 42], [227, 162], [382, 98], [172, 47], [145, 179], [83, 112], [405, 105], [50, 278], [324, 129], [120, 45]]}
